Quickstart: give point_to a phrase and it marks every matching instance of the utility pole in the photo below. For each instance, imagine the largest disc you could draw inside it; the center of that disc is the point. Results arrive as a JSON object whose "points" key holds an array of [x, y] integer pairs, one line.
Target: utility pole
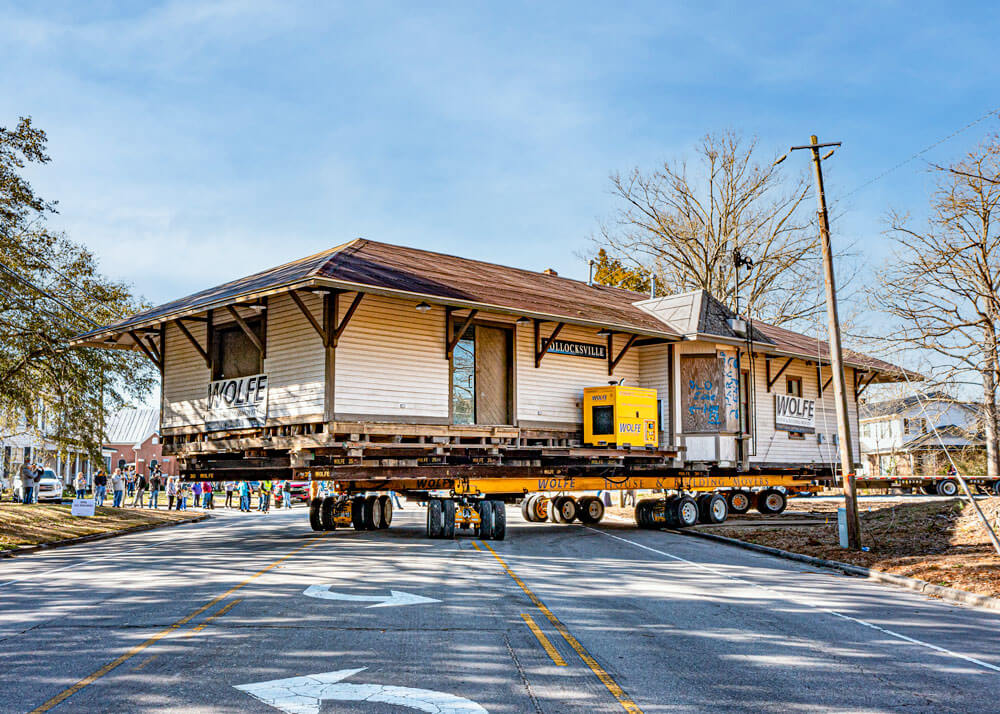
{"points": [[836, 353]]}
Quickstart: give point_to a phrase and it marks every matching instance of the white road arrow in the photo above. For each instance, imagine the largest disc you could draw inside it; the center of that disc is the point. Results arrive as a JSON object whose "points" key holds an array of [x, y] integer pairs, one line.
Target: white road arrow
{"points": [[394, 598], [304, 695]]}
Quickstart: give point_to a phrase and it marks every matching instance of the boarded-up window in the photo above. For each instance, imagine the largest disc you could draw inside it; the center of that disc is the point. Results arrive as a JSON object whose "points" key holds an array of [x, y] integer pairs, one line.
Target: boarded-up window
{"points": [[702, 398], [234, 354]]}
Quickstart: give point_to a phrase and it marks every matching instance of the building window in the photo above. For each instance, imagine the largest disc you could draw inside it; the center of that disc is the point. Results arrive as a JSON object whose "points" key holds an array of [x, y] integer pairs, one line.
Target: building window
{"points": [[793, 386], [234, 355]]}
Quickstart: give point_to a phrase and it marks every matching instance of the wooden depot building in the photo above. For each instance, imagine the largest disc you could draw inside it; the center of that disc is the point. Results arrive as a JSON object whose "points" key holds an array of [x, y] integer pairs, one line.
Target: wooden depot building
{"points": [[378, 362]]}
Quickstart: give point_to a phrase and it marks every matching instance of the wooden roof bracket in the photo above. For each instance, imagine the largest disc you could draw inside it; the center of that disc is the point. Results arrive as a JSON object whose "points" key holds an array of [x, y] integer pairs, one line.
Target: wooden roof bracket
{"points": [[147, 349], [819, 379], [334, 329], [767, 369], [311, 318], [251, 335], [859, 391], [541, 348], [453, 337], [612, 363], [197, 345]]}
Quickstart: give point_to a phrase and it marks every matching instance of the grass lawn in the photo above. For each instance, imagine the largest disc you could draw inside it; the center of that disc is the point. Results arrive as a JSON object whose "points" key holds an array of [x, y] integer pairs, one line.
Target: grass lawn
{"points": [[38, 523], [942, 542]]}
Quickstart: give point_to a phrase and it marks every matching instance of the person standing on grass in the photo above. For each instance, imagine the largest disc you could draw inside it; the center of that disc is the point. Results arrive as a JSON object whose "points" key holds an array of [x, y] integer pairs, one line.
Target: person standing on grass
{"points": [[118, 487], [171, 491], [229, 485], [100, 487], [140, 490], [155, 484], [209, 490], [27, 482], [130, 482], [196, 490], [80, 484]]}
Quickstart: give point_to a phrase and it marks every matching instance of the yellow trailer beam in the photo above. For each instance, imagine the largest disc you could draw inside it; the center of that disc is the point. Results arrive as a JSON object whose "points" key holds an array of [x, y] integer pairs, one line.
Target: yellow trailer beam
{"points": [[597, 483]]}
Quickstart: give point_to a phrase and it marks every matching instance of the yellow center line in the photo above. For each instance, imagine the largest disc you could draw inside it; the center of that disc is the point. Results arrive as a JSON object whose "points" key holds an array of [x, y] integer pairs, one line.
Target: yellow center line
{"points": [[544, 641], [476, 546], [616, 691], [145, 662], [204, 623], [90, 679]]}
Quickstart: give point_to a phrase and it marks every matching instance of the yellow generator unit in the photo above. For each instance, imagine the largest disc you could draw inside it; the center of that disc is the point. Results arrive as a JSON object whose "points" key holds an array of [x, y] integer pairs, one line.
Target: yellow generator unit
{"points": [[620, 416]]}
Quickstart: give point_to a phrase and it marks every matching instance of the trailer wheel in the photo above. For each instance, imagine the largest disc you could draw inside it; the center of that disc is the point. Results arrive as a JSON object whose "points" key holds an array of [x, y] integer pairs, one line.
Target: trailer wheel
{"points": [[485, 528], [314, 515], [948, 487], [526, 511], [771, 502], [434, 523], [996, 488], [499, 520], [685, 510], [590, 509], [712, 508], [358, 513], [371, 513], [929, 490], [568, 511], [540, 507], [739, 501], [555, 510], [640, 513], [447, 518], [384, 507], [326, 513]]}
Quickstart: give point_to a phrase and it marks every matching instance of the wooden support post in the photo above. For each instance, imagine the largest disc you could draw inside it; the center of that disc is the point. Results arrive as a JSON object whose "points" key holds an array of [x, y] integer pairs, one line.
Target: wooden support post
{"points": [[767, 368], [544, 348], [309, 316], [331, 312], [612, 363], [197, 345]]}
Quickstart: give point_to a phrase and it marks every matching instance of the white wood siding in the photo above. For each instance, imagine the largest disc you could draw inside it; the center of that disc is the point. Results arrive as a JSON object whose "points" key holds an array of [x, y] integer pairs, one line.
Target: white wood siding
{"points": [[554, 392], [295, 363], [391, 361], [654, 373], [774, 445], [185, 378]]}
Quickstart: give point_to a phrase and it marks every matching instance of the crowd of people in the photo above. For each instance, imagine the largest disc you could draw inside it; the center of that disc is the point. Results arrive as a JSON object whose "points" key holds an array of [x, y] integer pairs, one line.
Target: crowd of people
{"points": [[131, 488]]}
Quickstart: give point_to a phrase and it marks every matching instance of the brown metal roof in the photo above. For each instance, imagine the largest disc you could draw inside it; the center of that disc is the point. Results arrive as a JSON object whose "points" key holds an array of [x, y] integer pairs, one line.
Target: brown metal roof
{"points": [[368, 265]]}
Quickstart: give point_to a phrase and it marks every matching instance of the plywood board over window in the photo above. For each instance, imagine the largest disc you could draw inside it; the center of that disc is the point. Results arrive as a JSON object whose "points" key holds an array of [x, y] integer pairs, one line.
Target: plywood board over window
{"points": [[235, 354]]}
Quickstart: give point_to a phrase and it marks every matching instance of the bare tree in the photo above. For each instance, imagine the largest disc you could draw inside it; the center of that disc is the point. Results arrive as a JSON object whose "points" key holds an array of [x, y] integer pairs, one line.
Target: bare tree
{"points": [[942, 283], [684, 229]]}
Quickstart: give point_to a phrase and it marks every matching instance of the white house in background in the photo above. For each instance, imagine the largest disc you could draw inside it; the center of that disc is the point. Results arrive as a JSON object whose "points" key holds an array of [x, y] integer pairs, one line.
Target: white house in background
{"points": [[898, 439], [23, 442]]}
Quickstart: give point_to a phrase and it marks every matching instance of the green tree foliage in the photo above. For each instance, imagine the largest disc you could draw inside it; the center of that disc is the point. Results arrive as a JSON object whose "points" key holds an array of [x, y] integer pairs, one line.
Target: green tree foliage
{"points": [[611, 271], [46, 388]]}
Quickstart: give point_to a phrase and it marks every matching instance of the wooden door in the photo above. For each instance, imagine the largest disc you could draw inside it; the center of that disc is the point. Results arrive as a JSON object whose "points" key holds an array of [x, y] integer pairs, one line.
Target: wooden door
{"points": [[492, 375]]}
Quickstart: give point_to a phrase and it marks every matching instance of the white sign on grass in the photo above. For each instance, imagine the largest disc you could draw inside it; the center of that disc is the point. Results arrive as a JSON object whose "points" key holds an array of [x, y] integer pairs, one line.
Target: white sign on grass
{"points": [[82, 507]]}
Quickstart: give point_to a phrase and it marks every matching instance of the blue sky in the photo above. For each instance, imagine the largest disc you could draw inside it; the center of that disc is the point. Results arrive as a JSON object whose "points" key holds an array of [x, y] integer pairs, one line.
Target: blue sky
{"points": [[195, 142]]}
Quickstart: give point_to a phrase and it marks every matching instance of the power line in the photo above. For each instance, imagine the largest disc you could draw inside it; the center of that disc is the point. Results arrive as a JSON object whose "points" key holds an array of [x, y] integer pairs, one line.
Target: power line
{"points": [[920, 153], [4, 268]]}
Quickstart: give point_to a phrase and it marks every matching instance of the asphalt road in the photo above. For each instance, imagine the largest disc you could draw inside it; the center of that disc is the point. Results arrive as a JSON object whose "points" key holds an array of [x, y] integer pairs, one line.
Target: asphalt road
{"points": [[194, 618]]}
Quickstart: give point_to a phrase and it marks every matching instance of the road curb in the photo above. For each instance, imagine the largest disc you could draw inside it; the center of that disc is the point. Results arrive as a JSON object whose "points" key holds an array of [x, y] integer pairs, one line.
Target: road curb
{"points": [[915, 584], [24, 549]]}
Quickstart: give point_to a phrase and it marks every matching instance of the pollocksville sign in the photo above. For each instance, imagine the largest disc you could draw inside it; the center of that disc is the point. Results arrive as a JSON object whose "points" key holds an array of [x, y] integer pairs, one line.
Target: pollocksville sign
{"points": [[578, 349]]}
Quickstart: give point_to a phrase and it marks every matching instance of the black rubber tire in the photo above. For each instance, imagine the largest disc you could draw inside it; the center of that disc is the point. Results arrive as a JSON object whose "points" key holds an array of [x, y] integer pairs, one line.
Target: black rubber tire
{"points": [[358, 513], [369, 514], [771, 502], [434, 521], [996, 488], [526, 513], [384, 506], [567, 509], [326, 511], [447, 518], [590, 509], [929, 490], [640, 514], [314, 517], [669, 513], [702, 499], [499, 520], [685, 511], [739, 502], [485, 528], [948, 487], [714, 510], [555, 511]]}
